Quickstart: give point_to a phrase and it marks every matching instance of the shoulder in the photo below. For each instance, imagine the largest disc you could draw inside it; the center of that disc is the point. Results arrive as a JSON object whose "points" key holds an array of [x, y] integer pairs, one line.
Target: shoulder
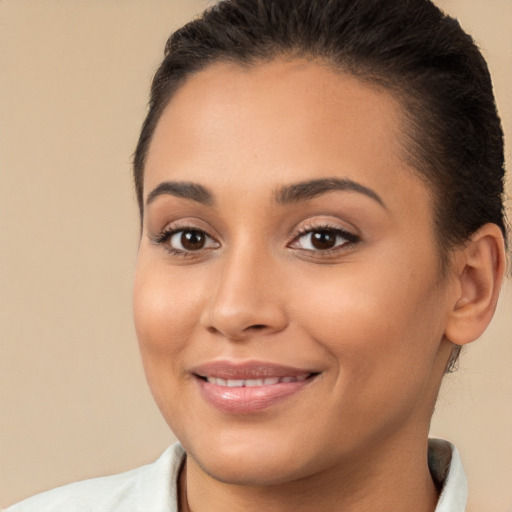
{"points": [[150, 487]]}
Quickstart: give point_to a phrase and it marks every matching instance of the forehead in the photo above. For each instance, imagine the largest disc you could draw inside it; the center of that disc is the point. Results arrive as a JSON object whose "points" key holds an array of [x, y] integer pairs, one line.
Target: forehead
{"points": [[286, 121]]}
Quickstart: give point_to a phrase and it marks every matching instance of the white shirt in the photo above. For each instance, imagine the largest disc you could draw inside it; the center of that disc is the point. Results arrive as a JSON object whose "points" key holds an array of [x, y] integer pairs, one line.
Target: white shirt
{"points": [[153, 488]]}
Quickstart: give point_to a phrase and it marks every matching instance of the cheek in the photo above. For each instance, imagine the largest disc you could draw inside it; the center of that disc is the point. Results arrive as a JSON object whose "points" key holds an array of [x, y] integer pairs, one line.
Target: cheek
{"points": [[165, 307], [384, 359], [166, 315], [377, 323]]}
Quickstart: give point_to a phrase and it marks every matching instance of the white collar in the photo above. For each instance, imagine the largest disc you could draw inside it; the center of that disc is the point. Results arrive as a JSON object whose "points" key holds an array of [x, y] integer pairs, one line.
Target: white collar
{"points": [[446, 469]]}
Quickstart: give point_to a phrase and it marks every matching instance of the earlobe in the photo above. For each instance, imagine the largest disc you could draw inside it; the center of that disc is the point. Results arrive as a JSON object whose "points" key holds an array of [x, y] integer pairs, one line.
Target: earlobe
{"points": [[480, 266]]}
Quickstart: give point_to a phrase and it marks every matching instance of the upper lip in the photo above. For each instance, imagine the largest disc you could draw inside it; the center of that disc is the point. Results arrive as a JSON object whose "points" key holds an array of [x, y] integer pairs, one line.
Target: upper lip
{"points": [[245, 370]]}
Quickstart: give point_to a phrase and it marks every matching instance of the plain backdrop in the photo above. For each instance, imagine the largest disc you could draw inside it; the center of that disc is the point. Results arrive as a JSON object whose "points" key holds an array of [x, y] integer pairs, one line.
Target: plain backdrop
{"points": [[74, 78]]}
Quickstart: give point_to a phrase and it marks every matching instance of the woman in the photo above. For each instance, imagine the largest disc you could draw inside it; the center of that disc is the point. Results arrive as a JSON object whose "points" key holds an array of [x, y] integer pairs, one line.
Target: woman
{"points": [[320, 187]]}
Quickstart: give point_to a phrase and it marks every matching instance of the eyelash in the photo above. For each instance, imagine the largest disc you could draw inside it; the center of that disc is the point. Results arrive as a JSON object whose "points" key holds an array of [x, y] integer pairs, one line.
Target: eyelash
{"points": [[350, 238], [163, 238]]}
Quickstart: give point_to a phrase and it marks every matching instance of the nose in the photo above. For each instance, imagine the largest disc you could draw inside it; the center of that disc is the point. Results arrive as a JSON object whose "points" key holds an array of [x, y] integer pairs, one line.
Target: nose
{"points": [[247, 297]]}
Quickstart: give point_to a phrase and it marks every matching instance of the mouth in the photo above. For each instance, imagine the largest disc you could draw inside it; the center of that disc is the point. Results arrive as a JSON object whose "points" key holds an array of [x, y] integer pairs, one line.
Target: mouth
{"points": [[249, 383], [249, 387]]}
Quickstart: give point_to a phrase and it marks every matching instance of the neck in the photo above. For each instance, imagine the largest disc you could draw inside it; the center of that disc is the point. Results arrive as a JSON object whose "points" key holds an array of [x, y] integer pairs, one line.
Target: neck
{"points": [[396, 479]]}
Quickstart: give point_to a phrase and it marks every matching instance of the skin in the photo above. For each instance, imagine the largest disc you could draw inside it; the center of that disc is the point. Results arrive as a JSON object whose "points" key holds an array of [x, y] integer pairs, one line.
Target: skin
{"points": [[369, 316]]}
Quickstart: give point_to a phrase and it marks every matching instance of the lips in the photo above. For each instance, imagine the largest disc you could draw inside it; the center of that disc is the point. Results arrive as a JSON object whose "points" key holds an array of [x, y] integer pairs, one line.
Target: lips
{"points": [[268, 381], [248, 387]]}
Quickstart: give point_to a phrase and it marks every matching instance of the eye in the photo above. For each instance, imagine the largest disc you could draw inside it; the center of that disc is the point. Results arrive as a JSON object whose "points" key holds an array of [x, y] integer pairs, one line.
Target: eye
{"points": [[323, 239], [190, 240], [184, 241]]}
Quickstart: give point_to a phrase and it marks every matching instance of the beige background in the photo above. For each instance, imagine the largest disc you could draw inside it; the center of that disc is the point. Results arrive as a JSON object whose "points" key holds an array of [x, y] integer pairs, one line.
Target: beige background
{"points": [[74, 77]]}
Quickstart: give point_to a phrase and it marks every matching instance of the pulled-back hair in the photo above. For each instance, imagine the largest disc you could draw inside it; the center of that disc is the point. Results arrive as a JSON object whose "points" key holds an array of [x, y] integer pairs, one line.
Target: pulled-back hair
{"points": [[452, 132]]}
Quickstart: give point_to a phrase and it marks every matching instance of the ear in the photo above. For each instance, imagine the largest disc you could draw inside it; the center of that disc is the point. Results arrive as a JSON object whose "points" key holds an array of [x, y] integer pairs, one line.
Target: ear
{"points": [[479, 266]]}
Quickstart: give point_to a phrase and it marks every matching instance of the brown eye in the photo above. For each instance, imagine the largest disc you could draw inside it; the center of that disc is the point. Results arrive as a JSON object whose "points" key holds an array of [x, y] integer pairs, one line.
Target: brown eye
{"points": [[189, 240], [318, 240], [192, 240], [323, 240]]}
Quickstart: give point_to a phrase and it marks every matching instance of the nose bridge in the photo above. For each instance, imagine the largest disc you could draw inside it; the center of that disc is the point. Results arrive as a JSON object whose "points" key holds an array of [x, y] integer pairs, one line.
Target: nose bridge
{"points": [[246, 295]]}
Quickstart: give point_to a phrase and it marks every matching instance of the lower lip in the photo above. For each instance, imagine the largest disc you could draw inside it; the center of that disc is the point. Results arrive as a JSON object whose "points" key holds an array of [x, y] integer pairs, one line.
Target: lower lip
{"points": [[246, 400]]}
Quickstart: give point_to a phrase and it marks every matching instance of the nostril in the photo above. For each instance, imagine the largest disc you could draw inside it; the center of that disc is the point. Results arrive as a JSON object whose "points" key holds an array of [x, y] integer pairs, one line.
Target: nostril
{"points": [[256, 327]]}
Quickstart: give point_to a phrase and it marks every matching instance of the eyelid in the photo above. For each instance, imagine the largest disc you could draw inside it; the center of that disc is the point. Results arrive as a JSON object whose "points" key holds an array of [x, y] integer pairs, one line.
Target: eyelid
{"points": [[182, 224], [163, 237], [318, 226], [325, 224]]}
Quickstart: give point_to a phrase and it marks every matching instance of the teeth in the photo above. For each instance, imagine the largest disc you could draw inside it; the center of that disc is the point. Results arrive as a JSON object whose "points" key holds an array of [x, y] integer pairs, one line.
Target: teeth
{"points": [[269, 381], [218, 381], [233, 383], [254, 382]]}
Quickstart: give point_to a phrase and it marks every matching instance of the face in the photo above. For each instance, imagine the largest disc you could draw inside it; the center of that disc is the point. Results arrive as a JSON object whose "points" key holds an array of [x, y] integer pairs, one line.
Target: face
{"points": [[287, 301]]}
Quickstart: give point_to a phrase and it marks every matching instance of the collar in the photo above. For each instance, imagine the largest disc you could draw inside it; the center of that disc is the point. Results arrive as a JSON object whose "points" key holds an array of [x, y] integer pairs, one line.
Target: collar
{"points": [[447, 472]]}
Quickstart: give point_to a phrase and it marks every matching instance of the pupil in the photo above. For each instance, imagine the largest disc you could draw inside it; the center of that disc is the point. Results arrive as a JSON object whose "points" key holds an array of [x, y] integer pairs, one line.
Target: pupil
{"points": [[192, 240], [323, 240]]}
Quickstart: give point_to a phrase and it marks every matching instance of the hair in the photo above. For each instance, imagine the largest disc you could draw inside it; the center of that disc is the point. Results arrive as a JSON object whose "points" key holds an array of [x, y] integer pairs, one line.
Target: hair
{"points": [[452, 133]]}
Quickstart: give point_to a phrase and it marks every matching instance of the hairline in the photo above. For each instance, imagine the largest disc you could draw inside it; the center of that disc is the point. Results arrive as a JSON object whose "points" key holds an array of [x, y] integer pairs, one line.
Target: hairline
{"points": [[408, 125]]}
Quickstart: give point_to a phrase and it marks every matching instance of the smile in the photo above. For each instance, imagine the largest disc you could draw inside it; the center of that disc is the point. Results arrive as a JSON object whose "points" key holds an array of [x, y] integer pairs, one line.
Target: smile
{"points": [[249, 387], [248, 383]]}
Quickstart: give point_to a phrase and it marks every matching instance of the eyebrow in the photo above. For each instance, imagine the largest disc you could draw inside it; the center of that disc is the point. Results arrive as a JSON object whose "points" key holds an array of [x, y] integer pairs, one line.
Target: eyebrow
{"points": [[313, 188], [184, 189], [293, 193]]}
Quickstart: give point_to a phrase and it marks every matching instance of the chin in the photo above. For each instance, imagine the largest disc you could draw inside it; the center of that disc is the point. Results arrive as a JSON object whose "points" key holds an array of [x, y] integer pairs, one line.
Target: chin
{"points": [[251, 460], [253, 470]]}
